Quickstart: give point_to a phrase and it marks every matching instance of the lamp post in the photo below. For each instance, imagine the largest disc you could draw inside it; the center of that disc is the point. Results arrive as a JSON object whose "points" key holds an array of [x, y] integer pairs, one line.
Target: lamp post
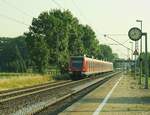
{"points": [[131, 54], [146, 63], [140, 53]]}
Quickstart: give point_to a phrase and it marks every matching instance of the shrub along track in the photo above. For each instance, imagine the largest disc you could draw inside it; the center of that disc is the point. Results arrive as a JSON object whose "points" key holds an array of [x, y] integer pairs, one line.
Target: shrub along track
{"points": [[14, 100]]}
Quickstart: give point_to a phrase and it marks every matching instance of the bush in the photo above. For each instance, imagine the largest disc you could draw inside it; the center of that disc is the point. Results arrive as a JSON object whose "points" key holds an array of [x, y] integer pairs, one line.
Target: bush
{"points": [[65, 76]]}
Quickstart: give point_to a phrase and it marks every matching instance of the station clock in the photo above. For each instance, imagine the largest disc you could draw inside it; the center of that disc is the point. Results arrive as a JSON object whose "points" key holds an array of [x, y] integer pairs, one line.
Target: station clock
{"points": [[135, 34]]}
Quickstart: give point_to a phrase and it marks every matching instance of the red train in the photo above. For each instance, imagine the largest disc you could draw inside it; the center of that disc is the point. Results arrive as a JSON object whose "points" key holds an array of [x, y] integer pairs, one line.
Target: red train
{"points": [[81, 66]]}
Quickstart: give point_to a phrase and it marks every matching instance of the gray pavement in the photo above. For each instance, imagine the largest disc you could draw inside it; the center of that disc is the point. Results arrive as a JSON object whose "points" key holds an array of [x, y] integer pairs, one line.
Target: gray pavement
{"points": [[126, 98]]}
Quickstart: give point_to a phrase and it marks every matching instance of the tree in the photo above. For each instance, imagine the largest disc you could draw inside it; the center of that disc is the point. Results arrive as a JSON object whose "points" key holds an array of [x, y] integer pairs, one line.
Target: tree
{"points": [[141, 58], [39, 52], [11, 55], [56, 35], [89, 40], [115, 56], [54, 27], [105, 53], [75, 43], [61, 36]]}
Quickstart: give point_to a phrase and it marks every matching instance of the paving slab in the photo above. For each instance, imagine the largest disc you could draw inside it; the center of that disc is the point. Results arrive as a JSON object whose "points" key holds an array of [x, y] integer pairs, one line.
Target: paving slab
{"points": [[127, 98]]}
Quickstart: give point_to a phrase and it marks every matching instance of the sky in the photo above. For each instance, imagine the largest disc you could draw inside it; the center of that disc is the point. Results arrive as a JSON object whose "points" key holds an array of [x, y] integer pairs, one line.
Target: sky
{"points": [[112, 17]]}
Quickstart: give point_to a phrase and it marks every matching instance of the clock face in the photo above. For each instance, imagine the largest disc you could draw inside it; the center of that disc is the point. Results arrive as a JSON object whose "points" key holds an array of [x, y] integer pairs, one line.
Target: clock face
{"points": [[135, 34]]}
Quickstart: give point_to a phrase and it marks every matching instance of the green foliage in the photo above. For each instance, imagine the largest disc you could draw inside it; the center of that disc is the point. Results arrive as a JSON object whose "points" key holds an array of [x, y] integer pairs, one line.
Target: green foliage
{"points": [[106, 53], [89, 40], [115, 56], [53, 27], [65, 76], [52, 38], [12, 55], [62, 36], [39, 52], [141, 58]]}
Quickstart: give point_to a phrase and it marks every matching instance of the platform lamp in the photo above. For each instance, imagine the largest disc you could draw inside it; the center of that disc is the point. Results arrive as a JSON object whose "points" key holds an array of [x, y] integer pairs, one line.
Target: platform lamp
{"points": [[140, 53], [131, 49]]}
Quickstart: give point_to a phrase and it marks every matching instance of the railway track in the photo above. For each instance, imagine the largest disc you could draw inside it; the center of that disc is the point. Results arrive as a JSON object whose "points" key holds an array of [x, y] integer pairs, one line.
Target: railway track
{"points": [[22, 91], [56, 107], [16, 89], [12, 101]]}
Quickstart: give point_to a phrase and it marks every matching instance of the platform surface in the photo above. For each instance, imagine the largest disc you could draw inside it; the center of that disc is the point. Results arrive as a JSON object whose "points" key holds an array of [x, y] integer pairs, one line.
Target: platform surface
{"points": [[121, 95]]}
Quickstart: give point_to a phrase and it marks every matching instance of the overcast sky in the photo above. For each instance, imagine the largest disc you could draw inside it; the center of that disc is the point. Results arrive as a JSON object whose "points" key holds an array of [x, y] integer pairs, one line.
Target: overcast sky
{"points": [[112, 17]]}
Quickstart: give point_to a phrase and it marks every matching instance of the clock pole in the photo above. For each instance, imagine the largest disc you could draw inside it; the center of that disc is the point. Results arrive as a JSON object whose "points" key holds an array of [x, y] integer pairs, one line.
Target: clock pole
{"points": [[135, 34]]}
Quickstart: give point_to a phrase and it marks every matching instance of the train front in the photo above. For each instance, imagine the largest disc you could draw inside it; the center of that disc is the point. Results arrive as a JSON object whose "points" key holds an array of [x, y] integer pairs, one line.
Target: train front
{"points": [[76, 67]]}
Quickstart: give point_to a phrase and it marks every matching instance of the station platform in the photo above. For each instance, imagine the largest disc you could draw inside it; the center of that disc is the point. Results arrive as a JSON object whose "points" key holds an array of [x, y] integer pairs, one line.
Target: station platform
{"points": [[121, 95]]}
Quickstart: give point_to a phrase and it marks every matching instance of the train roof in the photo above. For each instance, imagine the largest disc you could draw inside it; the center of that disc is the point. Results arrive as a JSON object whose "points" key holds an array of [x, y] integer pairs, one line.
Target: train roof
{"points": [[91, 59]]}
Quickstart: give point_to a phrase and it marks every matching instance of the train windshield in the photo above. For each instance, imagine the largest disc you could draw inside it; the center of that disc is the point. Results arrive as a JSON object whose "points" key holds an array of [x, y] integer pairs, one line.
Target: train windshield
{"points": [[77, 62]]}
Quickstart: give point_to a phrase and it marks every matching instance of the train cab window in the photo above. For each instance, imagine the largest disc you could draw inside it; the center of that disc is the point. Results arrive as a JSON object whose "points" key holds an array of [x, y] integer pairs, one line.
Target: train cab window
{"points": [[77, 62]]}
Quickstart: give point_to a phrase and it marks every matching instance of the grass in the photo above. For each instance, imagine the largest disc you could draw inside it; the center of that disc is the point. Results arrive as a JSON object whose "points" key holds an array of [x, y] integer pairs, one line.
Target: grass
{"points": [[17, 80], [8, 75]]}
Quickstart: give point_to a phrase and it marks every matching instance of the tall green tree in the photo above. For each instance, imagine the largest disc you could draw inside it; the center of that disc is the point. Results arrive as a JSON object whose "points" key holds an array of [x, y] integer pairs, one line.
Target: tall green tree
{"points": [[39, 52], [53, 26], [105, 53], [11, 58], [89, 40], [75, 43], [58, 35]]}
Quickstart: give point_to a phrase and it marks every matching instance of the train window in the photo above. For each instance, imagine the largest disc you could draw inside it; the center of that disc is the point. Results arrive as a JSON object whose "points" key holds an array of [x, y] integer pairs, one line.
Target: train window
{"points": [[90, 65], [77, 62]]}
